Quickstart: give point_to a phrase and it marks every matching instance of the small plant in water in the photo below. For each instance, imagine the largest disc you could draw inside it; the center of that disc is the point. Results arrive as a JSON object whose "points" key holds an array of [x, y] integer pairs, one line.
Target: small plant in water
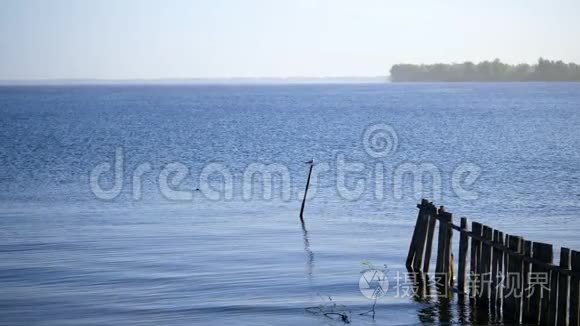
{"points": [[331, 310], [338, 312], [370, 266]]}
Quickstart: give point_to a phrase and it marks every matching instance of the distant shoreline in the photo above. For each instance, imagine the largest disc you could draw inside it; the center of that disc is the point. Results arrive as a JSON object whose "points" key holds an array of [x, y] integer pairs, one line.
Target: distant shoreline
{"points": [[487, 71]]}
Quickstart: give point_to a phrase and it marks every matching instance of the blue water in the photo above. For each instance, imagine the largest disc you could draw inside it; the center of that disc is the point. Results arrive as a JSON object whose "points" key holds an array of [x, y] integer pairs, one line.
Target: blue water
{"points": [[146, 257]]}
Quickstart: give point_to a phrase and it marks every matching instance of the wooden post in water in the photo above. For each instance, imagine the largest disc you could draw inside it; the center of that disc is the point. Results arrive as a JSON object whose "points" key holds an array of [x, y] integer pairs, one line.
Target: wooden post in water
{"points": [[513, 291], [575, 289], [420, 244], [444, 246], [543, 253], [518, 263], [432, 212], [563, 289], [497, 274], [527, 251], [306, 191], [462, 259], [449, 263], [411, 254], [474, 263], [552, 314], [545, 288], [417, 240], [508, 302], [485, 280], [440, 242], [505, 288]]}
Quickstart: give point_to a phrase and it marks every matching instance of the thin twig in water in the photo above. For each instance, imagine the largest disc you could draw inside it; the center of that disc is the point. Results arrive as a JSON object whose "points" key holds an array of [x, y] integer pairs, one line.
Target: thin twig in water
{"points": [[331, 310], [371, 310]]}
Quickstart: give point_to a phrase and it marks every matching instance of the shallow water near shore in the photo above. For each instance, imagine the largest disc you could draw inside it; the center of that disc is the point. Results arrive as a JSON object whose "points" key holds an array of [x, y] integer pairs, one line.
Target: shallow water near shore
{"points": [[68, 257]]}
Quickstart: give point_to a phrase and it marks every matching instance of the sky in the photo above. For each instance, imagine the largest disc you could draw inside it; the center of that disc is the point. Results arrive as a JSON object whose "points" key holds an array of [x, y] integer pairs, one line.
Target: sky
{"points": [[153, 39]]}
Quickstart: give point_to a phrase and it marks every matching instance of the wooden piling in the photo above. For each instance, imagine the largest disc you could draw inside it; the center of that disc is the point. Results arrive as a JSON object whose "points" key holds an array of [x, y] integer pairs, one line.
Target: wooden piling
{"points": [[421, 239], [462, 259], [497, 272], [542, 252], [513, 282], [429, 241], [486, 254], [534, 296], [551, 315], [545, 289], [526, 290], [440, 242], [449, 263], [563, 289], [474, 262], [305, 193], [412, 248], [444, 247], [575, 289], [505, 281]]}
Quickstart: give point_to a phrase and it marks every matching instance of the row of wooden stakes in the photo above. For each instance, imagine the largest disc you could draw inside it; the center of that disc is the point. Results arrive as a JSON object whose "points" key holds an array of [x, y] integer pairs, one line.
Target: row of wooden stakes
{"points": [[513, 278]]}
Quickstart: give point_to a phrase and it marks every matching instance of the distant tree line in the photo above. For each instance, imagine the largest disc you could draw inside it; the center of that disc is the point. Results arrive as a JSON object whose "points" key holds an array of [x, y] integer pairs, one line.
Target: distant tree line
{"points": [[544, 70]]}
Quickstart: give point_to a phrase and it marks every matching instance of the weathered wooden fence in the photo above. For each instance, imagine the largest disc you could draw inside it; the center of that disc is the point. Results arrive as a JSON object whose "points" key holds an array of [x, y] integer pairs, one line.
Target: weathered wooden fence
{"points": [[512, 277]]}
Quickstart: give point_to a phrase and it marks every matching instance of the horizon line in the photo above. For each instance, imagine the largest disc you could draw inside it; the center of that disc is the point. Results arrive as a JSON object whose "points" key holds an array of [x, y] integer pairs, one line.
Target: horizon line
{"points": [[195, 80]]}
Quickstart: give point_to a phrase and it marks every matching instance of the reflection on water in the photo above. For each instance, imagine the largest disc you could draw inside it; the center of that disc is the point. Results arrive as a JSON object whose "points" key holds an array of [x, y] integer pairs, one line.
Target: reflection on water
{"points": [[441, 306], [309, 253]]}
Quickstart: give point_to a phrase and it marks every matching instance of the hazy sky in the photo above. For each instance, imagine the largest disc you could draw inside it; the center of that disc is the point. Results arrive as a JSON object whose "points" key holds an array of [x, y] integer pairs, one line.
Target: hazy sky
{"points": [[118, 39]]}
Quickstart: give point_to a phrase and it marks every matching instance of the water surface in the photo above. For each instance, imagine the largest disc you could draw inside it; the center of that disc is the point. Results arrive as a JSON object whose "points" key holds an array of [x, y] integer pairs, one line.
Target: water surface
{"points": [[70, 258]]}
